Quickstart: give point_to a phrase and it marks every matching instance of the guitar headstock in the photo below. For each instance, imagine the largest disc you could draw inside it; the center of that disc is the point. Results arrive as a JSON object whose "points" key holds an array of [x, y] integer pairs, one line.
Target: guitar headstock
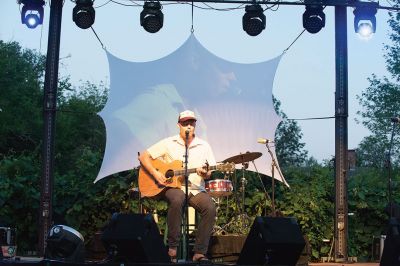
{"points": [[226, 167]]}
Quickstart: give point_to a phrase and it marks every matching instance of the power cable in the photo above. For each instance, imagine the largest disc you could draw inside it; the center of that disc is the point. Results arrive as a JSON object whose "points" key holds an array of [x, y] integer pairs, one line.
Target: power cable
{"points": [[67, 111], [118, 3], [98, 38], [301, 33], [192, 29], [284, 51], [221, 9], [106, 3], [310, 118]]}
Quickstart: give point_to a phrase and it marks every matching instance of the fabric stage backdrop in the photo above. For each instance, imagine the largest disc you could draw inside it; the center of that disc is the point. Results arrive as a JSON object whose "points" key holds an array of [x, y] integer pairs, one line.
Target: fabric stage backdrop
{"points": [[232, 101]]}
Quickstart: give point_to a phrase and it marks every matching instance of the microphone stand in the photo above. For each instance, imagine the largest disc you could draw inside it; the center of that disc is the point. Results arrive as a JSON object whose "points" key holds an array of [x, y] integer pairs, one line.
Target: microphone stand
{"points": [[273, 165], [267, 197], [186, 231]]}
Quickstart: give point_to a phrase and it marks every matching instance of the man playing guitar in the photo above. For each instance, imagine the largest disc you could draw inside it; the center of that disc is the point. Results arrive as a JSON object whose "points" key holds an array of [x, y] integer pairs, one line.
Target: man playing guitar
{"points": [[200, 155]]}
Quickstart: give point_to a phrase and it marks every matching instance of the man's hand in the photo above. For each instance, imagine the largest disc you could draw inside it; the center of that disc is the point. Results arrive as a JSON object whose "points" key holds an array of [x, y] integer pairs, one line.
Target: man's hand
{"points": [[159, 177], [145, 160], [203, 172]]}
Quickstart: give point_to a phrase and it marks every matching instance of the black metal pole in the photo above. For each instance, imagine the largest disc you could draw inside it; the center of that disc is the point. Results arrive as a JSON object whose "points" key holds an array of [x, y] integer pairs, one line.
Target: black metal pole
{"points": [[49, 117], [341, 133], [186, 220], [273, 166]]}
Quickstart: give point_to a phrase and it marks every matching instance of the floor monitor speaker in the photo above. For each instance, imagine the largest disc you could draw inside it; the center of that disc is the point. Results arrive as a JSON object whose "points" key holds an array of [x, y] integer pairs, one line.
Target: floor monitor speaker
{"points": [[134, 238], [272, 241]]}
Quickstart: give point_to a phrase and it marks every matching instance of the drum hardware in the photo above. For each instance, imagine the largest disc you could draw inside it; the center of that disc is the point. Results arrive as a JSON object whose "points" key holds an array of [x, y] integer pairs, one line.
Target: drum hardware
{"points": [[274, 165], [243, 216], [243, 183], [242, 221], [218, 230], [219, 187], [243, 157]]}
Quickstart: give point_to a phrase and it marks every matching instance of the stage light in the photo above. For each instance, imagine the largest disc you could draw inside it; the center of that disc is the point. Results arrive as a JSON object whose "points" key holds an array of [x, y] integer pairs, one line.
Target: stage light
{"points": [[32, 12], [313, 18], [151, 18], [364, 18], [83, 14], [65, 244], [253, 20], [365, 30]]}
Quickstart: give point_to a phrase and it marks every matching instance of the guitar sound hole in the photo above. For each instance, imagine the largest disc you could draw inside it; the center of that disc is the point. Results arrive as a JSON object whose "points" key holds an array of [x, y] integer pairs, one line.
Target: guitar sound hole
{"points": [[169, 174]]}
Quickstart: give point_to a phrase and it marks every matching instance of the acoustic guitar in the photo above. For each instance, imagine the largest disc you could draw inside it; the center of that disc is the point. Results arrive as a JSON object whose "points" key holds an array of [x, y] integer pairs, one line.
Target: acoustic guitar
{"points": [[174, 172]]}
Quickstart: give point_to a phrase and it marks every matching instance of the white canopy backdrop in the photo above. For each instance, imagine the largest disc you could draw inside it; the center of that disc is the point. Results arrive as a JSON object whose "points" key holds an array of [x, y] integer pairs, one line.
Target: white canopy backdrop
{"points": [[232, 101]]}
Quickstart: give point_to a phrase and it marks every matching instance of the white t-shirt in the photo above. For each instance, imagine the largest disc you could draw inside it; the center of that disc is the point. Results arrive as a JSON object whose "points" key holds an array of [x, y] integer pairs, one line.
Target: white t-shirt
{"points": [[173, 148]]}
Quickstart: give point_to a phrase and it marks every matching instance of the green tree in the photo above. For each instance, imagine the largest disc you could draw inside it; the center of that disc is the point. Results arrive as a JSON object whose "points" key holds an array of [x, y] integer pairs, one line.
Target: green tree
{"points": [[379, 102], [368, 186], [289, 148], [19, 197], [393, 57], [367, 200], [310, 199], [21, 80], [79, 147]]}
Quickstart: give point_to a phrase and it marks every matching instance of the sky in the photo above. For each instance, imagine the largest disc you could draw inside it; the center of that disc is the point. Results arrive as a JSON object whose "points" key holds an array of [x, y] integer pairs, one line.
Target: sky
{"points": [[305, 78]]}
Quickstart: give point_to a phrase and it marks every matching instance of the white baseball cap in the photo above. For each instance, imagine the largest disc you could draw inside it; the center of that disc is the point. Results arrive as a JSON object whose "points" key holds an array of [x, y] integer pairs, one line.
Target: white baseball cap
{"points": [[186, 115]]}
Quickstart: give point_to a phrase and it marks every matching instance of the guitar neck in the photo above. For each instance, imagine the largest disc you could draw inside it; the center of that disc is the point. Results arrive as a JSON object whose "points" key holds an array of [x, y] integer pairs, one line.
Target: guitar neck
{"points": [[191, 171]]}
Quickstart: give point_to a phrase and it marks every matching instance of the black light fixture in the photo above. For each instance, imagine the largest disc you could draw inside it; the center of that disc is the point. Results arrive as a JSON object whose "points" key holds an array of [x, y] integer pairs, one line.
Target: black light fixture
{"points": [[65, 244], [151, 18], [314, 18], [32, 12], [364, 18], [83, 14], [253, 20]]}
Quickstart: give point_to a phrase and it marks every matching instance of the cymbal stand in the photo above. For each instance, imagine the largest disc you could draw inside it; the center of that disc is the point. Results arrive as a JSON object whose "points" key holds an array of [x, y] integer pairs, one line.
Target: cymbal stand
{"points": [[226, 177], [235, 194], [243, 182], [240, 223]]}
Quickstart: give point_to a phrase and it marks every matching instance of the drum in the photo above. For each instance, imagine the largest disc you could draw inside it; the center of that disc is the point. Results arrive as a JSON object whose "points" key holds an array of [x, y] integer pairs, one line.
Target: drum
{"points": [[219, 187]]}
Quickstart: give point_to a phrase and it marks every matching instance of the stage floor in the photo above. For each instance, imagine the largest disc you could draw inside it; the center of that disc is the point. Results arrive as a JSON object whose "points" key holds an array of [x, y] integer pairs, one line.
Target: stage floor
{"points": [[39, 261], [350, 263]]}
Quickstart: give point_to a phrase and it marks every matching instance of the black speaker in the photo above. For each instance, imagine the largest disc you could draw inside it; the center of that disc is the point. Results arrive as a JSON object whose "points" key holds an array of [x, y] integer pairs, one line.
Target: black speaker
{"points": [[391, 249], [272, 241], [134, 238]]}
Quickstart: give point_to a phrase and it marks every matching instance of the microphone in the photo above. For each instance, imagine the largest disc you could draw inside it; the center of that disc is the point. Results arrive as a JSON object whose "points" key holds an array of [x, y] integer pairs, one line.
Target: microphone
{"points": [[187, 133], [264, 141], [395, 119]]}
